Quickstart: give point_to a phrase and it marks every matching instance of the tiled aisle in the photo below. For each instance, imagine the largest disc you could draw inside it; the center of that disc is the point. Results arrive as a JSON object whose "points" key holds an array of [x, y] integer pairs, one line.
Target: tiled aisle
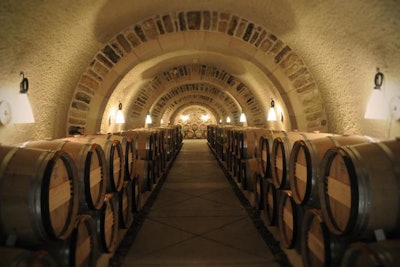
{"points": [[197, 220]]}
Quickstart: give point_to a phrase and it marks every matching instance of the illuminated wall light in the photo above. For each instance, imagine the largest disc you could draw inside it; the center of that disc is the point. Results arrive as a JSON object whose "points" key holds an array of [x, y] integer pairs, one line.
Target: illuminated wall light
{"points": [[272, 113], [185, 117], [120, 119], [228, 119], [22, 110], [149, 119], [205, 117], [242, 117], [377, 105]]}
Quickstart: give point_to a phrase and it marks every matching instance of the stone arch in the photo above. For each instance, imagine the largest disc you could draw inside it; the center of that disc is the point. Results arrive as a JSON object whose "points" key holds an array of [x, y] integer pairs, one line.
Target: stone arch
{"points": [[150, 37]]}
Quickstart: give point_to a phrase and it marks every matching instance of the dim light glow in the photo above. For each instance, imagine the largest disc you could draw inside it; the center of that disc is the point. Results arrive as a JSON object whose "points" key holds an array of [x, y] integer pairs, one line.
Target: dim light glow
{"points": [[120, 119], [22, 110], [185, 117], [148, 119], [272, 113], [228, 119], [242, 117], [377, 107]]}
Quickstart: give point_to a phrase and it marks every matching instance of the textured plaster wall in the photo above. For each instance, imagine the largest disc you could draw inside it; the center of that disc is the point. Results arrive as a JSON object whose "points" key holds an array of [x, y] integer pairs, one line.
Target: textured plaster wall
{"points": [[342, 43]]}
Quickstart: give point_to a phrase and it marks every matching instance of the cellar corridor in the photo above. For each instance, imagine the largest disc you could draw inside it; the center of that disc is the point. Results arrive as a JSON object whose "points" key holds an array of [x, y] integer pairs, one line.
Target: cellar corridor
{"points": [[197, 219]]}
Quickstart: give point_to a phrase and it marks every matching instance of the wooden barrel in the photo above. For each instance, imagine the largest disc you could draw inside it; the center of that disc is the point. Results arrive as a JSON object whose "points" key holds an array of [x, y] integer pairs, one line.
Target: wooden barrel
{"points": [[81, 249], [271, 203], [359, 188], [145, 140], [190, 134], [144, 171], [129, 150], [259, 189], [38, 195], [249, 142], [280, 155], [305, 161], [203, 127], [198, 135], [194, 127], [248, 170], [136, 195], [266, 141], [115, 158], [125, 215], [383, 254], [107, 224], [289, 220], [318, 246], [18, 257], [91, 165]]}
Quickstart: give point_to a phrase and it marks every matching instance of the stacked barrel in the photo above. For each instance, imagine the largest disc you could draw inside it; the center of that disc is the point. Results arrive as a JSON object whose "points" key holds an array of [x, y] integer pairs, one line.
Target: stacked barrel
{"points": [[329, 197], [65, 202]]}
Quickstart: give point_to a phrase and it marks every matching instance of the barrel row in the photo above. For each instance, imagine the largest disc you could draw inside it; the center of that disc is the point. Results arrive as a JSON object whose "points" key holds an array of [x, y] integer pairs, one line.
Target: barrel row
{"points": [[326, 194], [194, 131], [73, 197]]}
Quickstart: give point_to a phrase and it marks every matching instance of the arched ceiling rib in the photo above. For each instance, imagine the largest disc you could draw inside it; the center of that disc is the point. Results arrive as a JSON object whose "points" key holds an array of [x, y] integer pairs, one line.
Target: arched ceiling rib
{"points": [[218, 32]]}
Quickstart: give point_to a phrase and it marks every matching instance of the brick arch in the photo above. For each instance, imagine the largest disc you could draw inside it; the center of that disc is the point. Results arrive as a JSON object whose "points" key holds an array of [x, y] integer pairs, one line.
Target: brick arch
{"points": [[171, 115], [146, 39]]}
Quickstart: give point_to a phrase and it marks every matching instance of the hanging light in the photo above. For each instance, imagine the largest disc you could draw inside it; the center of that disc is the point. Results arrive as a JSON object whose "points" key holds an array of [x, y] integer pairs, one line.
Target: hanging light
{"points": [[228, 119], [242, 117], [148, 119], [120, 116], [271, 113], [377, 107], [22, 111]]}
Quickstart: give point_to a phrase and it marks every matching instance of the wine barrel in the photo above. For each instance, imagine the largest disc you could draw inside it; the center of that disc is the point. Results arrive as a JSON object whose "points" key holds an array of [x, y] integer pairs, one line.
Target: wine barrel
{"points": [[136, 195], [190, 134], [248, 142], [81, 249], [144, 171], [38, 195], [319, 247], [271, 203], [359, 188], [259, 189], [91, 164], [129, 150], [289, 220], [305, 161], [383, 254], [18, 257], [115, 159], [266, 142], [249, 168], [280, 155], [194, 127], [107, 224], [145, 140], [125, 198]]}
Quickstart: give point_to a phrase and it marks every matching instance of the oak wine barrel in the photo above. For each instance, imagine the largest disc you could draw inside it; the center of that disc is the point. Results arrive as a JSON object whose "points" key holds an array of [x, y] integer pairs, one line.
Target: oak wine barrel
{"points": [[91, 165], [383, 254], [289, 220], [136, 195], [107, 224], [280, 155], [266, 141], [247, 170], [305, 161], [319, 247], [81, 249], [144, 171], [271, 203], [259, 189], [129, 151], [125, 215], [359, 188], [39, 195], [115, 158]]}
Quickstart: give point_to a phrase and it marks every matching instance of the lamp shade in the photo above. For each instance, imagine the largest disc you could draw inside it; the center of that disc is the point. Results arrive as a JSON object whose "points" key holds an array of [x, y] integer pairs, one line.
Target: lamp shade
{"points": [[148, 119], [22, 110], [120, 116], [242, 117], [272, 113], [377, 107], [228, 119]]}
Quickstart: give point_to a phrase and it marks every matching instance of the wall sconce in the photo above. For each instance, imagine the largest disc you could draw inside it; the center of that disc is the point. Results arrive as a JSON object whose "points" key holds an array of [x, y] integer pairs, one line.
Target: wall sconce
{"points": [[271, 113], [377, 105], [120, 119], [205, 117], [22, 111], [148, 119], [228, 119], [242, 117]]}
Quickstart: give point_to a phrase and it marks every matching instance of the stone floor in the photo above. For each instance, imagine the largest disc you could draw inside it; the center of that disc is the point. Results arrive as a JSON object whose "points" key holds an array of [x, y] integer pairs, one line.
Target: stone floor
{"points": [[197, 219]]}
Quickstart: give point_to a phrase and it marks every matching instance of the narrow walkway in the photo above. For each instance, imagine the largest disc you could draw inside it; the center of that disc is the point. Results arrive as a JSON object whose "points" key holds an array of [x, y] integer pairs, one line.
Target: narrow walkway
{"points": [[197, 220]]}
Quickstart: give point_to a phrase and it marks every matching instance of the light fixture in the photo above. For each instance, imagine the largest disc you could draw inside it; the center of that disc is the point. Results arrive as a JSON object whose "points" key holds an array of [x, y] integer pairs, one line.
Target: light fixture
{"points": [[120, 116], [271, 113], [228, 119], [377, 107], [185, 117], [242, 117], [22, 111], [148, 119], [205, 117]]}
